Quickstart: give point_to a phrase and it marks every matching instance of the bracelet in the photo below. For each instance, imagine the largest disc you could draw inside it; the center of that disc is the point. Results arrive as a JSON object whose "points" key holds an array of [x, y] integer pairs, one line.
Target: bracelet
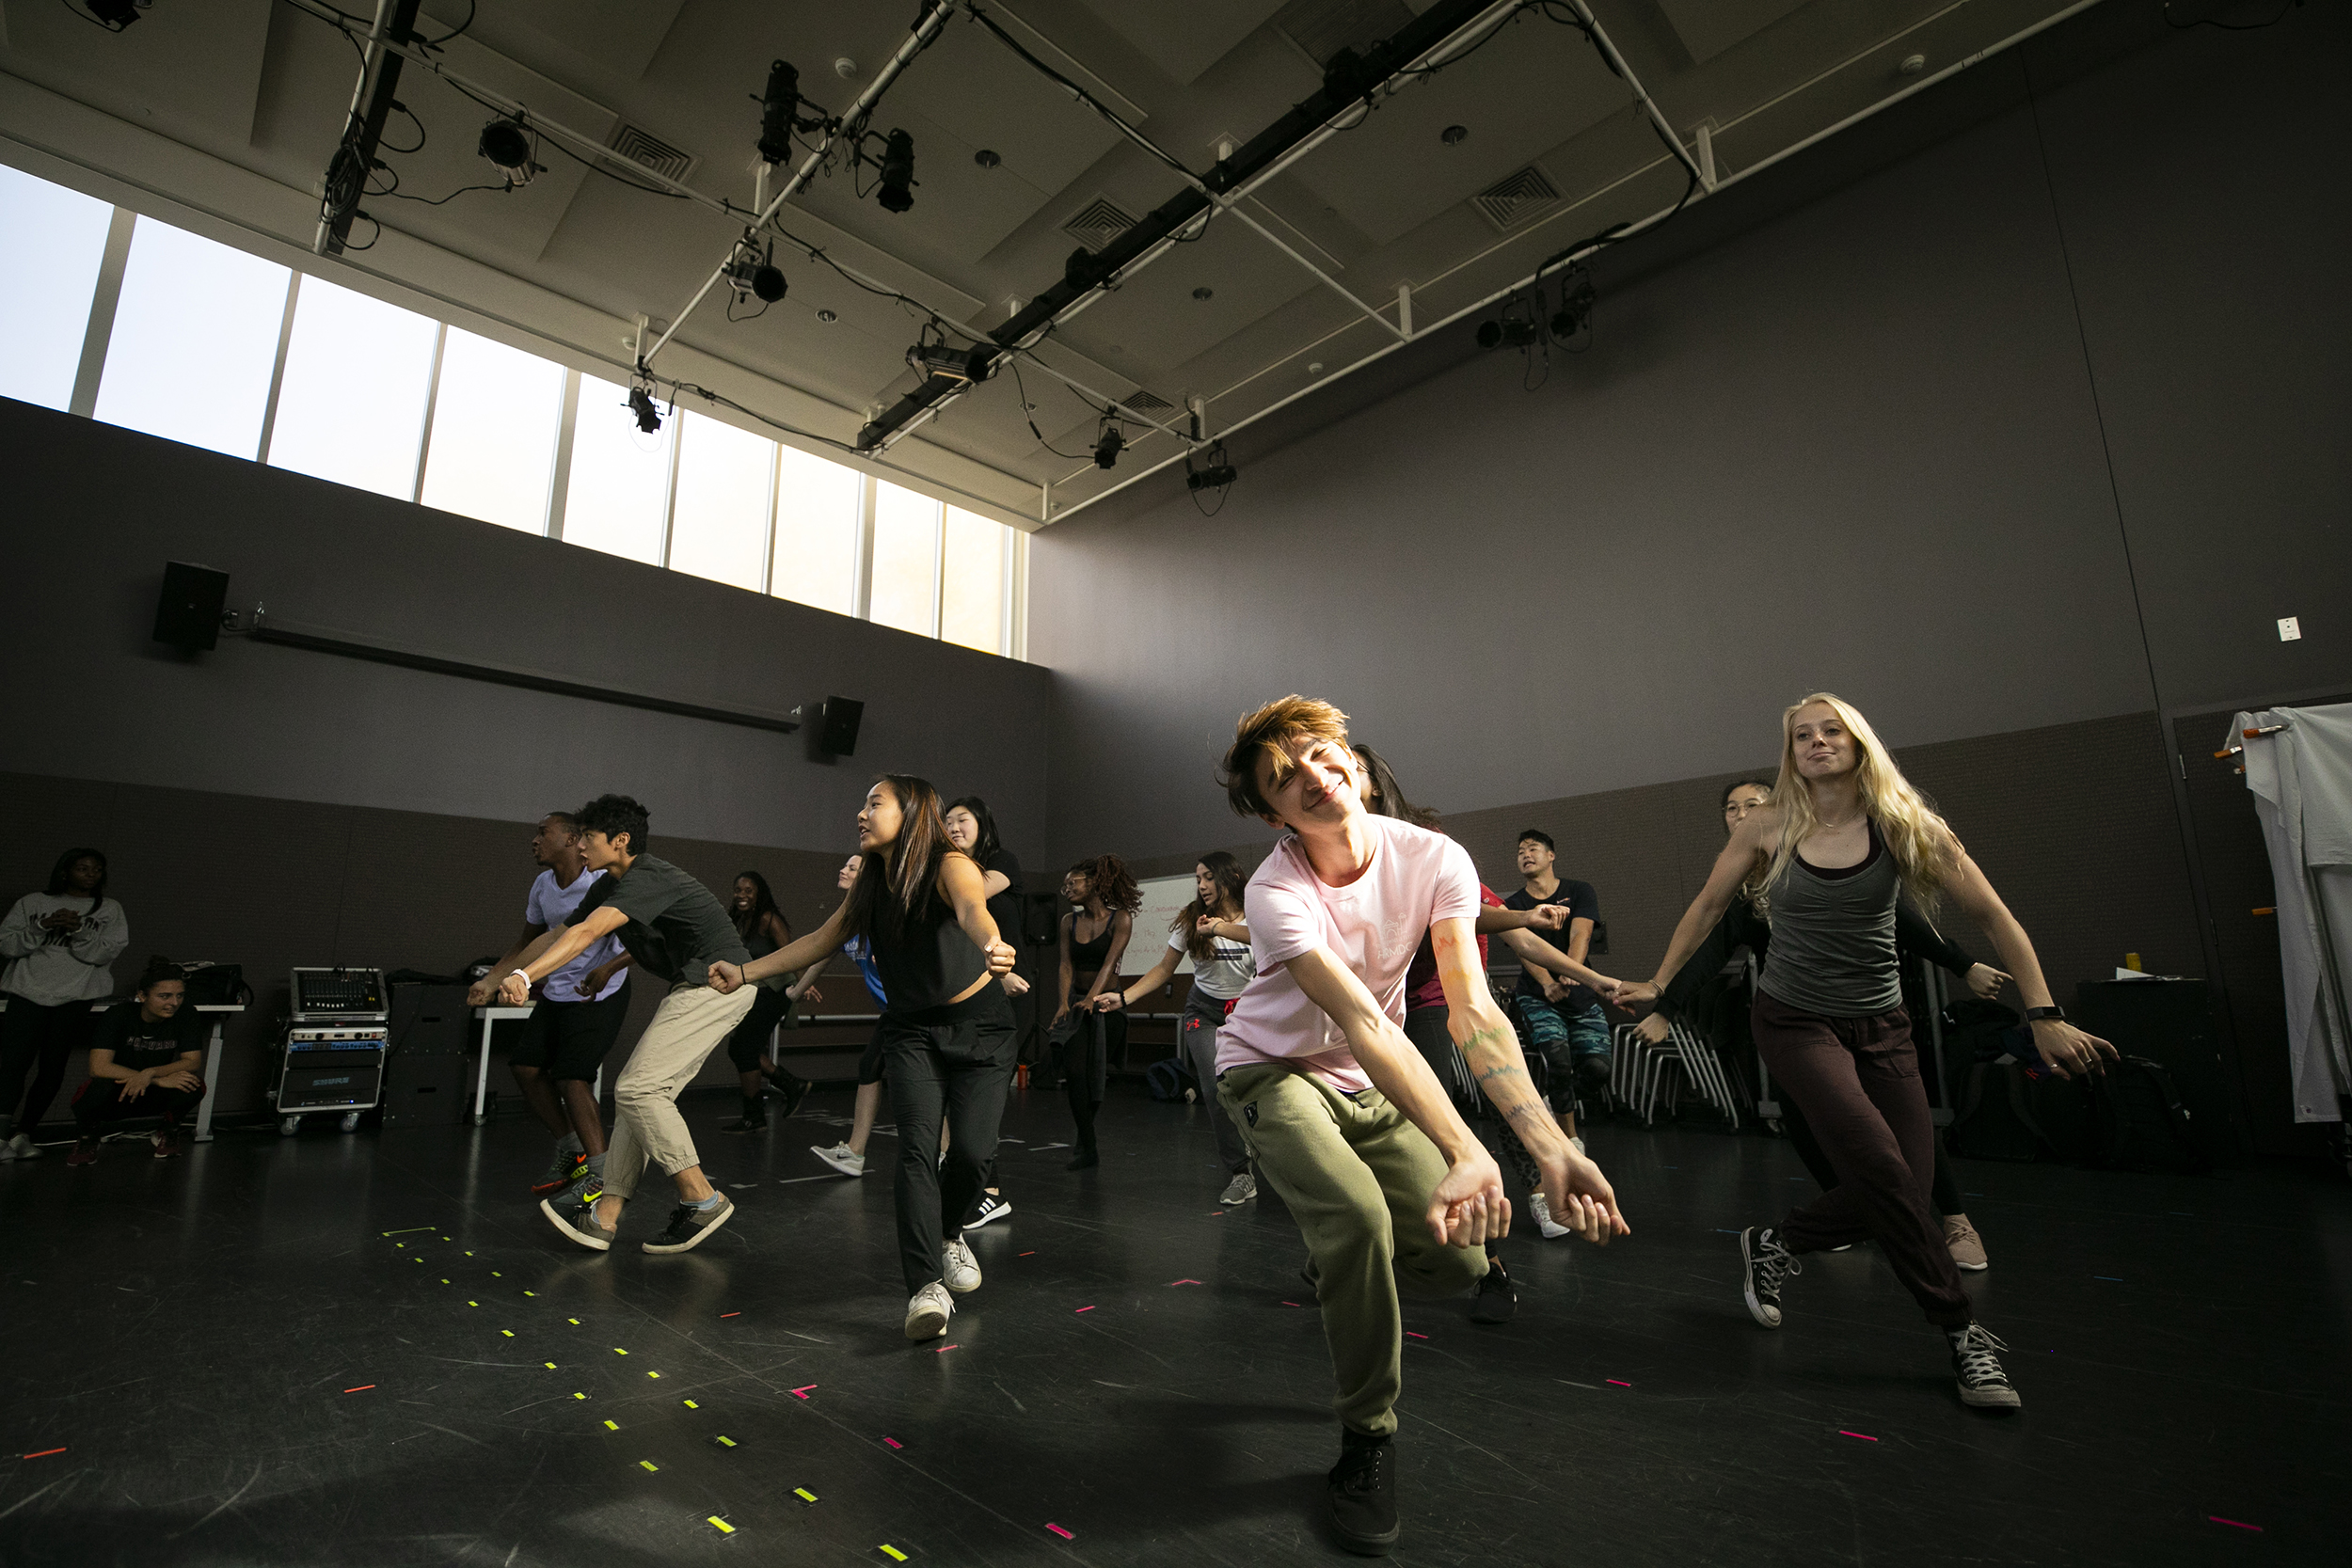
{"points": [[524, 973], [2040, 1015]]}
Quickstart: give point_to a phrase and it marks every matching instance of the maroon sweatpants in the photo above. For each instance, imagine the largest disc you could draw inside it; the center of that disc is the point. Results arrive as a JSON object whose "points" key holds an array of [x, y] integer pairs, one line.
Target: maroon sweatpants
{"points": [[1857, 1080]]}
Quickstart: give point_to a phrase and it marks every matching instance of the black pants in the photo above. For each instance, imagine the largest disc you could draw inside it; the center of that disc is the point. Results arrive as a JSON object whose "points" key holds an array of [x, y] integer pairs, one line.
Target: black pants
{"points": [[950, 1063], [1943, 1193], [751, 1035], [1086, 1060], [99, 1101], [37, 1039]]}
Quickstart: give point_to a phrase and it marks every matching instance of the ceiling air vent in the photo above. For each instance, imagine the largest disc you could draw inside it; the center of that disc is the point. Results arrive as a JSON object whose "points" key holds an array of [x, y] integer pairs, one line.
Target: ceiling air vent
{"points": [[1514, 199], [642, 147], [1142, 402], [1098, 223]]}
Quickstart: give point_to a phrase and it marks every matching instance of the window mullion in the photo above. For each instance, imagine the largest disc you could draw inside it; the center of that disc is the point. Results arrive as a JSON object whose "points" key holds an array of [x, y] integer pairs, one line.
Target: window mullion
{"points": [[560, 481], [100, 333]]}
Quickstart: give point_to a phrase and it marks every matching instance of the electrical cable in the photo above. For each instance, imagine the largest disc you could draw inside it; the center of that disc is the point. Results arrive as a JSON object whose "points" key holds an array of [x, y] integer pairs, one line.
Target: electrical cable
{"points": [[440, 200], [1130, 131], [2227, 26], [403, 152], [472, 5], [1024, 390]]}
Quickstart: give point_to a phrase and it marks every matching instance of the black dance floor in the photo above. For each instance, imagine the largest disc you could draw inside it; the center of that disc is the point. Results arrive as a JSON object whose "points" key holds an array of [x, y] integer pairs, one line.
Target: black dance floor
{"points": [[372, 1351]]}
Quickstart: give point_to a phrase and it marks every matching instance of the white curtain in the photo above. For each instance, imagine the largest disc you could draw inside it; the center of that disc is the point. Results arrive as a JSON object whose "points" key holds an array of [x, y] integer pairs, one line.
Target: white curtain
{"points": [[2301, 778]]}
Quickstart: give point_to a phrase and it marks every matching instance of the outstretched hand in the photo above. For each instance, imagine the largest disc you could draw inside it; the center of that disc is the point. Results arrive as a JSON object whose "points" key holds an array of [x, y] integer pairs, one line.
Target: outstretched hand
{"points": [[1468, 1208], [513, 991], [725, 978], [1581, 1198], [1653, 1028], [2070, 1052], [1108, 1002], [1547, 917], [1631, 994]]}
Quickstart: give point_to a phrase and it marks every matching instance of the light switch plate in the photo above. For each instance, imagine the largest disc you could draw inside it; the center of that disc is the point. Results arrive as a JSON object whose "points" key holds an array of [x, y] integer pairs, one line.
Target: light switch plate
{"points": [[2290, 629]]}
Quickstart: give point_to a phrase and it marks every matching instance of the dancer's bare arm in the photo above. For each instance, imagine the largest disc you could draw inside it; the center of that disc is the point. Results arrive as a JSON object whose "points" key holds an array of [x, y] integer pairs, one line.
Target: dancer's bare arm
{"points": [[1751, 838], [800, 953], [1468, 1208], [2070, 1052]]}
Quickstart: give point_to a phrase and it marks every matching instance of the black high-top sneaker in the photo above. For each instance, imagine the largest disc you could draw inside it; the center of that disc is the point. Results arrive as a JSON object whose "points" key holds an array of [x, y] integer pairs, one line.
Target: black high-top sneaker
{"points": [[1363, 1494]]}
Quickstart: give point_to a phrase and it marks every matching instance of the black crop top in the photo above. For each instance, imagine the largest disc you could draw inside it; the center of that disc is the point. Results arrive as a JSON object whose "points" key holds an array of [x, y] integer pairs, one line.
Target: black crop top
{"points": [[928, 962], [1086, 957]]}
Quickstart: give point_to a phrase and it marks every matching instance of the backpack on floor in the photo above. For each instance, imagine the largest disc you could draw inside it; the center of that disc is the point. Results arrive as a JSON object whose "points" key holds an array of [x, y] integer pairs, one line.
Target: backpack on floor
{"points": [[1164, 1080], [2142, 1123], [1996, 1119]]}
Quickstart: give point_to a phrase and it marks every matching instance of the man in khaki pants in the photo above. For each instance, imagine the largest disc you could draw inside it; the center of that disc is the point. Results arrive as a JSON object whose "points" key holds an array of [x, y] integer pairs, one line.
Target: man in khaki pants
{"points": [[1347, 1121], [674, 929]]}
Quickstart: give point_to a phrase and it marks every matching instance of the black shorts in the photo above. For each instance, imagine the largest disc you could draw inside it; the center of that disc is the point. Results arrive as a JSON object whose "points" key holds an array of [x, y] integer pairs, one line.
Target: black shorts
{"points": [[869, 1066], [570, 1039]]}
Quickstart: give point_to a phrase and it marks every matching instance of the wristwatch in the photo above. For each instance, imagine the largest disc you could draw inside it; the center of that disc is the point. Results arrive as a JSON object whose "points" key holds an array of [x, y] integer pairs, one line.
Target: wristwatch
{"points": [[2035, 1015]]}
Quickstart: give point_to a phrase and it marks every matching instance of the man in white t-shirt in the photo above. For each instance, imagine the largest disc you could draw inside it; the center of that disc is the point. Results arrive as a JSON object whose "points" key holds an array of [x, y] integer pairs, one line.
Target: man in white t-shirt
{"points": [[1346, 1120]]}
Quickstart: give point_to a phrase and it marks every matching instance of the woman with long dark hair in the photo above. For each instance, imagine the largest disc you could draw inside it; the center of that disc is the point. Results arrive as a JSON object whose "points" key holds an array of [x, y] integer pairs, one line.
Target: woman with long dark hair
{"points": [[763, 929], [60, 944], [1842, 840], [972, 828], [1211, 932], [1093, 939], [946, 1029]]}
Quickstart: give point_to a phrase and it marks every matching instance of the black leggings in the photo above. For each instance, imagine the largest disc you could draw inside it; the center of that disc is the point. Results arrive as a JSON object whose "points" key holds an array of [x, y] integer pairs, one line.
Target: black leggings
{"points": [[750, 1039], [1086, 1067], [37, 1039]]}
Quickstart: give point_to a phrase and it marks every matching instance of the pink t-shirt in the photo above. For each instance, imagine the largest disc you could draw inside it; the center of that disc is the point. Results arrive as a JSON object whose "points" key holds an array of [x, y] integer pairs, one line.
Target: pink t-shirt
{"points": [[1373, 926]]}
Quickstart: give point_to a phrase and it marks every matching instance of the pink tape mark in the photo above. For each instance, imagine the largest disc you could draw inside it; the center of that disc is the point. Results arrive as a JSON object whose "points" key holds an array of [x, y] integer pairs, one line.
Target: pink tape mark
{"points": [[730, 1314], [2233, 1524], [1290, 1304], [945, 1349], [1214, 1213], [1173, 1283], [1619, 1382], [1063, 1533], [1086, 1308], [1410, 1334], [1864, 1436], [801, 1393], [46, 1453], [894, 1443], [1031, 1253]]}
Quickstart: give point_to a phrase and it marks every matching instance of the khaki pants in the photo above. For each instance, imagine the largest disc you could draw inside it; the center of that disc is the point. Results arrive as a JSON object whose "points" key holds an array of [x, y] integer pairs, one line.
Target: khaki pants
{"points": [[1358, 1177], [688, 1025]]}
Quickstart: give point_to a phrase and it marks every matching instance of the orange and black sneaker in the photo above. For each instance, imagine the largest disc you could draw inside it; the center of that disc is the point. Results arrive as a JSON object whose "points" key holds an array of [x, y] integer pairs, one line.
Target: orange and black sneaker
{"points": [[568, 1166]]}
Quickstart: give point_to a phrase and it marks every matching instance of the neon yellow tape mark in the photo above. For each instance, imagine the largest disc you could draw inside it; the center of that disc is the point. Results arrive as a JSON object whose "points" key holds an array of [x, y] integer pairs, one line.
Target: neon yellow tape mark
{"points": [[416, 1259], [896, 1555], [805, 1493], [612, 1426], [579, 1396], [550, 1366], [573, 1321], [508, 1332], [649, 1464], [691, 1405], [721, 1525], [530, 1293], [727, 1442], [495, 1274], [473, 1304], [470, 1254], [653, 1374], [618, 1351], [444, 1281]]}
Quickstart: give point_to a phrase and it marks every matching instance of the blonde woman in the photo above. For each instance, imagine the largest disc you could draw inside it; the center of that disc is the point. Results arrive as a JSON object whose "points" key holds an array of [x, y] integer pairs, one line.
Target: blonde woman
{"points": [[1842, 839]]}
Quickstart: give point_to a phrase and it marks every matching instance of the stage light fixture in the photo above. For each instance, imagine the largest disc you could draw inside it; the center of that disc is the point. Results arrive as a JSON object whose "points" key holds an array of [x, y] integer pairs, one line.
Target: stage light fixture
{"points": [[777, 120], [641, 404], [754, 272], [897, 173], [1217, 476], [506, 142], [930, 359], [1577, 297], [1108, 444], [1506, 332]]}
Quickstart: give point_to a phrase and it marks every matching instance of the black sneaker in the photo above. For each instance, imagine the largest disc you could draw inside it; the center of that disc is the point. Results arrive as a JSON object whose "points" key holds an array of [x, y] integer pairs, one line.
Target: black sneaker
{"points": [[1497, 1299], [988, 1206], [578, 1221], [791, 1089], [1983, 1383], [689, 1225], [1363, 1498], [1764, 1264]]}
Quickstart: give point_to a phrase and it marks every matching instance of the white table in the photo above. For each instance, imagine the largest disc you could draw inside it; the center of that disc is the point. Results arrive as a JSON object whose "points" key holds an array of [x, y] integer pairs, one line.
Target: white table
{"points": [[217, 1012], [490, 1018]]}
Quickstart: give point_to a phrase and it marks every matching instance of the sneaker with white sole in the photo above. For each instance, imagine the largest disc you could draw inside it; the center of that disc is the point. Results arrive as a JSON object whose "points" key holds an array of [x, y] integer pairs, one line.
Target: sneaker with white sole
{"points": [[1764, 1262], [958, 1268], [578, 1221], [988, 1206], [928, 1310], [1983, 1383], [562, 1172], [691, 1224], [22, 1148], [1967, 1247], [841, 1157], [1552, 1228], [1241, 1189]]}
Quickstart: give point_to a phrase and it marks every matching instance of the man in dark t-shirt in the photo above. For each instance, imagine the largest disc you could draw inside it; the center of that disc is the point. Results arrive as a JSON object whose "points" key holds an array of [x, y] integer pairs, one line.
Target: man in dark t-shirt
{"points": [[674, 929], [1564, 1020], [143, 1062]]}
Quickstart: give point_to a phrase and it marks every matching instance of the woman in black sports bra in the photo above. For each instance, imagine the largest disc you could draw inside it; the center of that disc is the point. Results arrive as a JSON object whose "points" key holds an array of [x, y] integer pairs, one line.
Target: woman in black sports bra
{"points": [[946, 1029], [1093, 939]]}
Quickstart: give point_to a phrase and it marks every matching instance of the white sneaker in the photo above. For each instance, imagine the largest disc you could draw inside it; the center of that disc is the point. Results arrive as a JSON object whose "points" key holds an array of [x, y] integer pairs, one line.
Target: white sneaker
{"points": [[962, 1270], [1536, 1205], [22, 1148], [1241, 1189], [929, 1312], [841, 1157]]}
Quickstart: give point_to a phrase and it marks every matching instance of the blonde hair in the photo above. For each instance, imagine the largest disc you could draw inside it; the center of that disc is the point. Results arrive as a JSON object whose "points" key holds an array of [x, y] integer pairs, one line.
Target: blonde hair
{"points": [[1265, 732], [1926, 851]]}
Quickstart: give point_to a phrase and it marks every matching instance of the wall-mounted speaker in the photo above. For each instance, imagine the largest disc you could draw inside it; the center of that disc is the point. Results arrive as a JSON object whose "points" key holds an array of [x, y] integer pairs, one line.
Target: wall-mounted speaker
{"points": [[842, 716], [188, 613]]}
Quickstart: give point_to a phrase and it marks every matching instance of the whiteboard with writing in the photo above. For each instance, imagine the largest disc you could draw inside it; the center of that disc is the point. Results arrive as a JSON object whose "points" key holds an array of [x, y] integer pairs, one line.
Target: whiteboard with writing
{"points": [[1164, 898]]}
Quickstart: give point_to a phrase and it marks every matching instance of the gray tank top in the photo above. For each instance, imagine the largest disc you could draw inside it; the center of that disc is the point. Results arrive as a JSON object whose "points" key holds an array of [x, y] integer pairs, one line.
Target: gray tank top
{"points": [[1833, 949]]}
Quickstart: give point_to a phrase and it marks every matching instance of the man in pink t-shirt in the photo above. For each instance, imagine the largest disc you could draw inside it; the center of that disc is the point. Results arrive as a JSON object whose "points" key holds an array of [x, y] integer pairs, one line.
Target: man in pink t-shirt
{"points": [[1345, 1119]]}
